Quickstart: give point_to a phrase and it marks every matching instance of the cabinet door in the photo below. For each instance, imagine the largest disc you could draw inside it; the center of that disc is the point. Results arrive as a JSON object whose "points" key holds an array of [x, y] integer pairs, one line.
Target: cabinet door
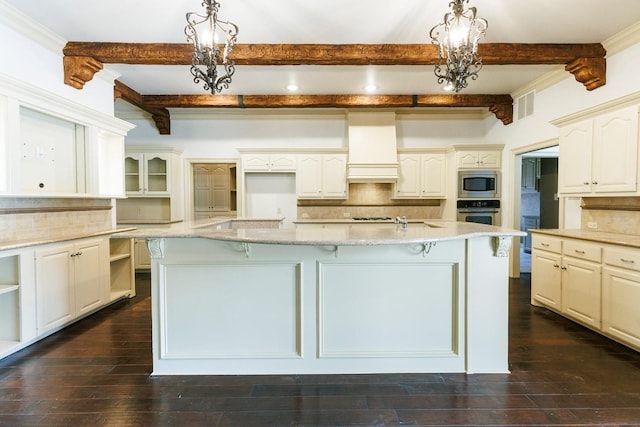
{"points": [[282, 162], [54, 287], [574, 171], [468, 159], [530, 174], [620, 297], [581, 287], [615, 151], [202, 188], [133, 174], [408, 184], [255, 162], [142, 257], [157, 174], [219, 187], [433, 175], [89, 262], [490, 159], [545, 279], [309, 176], [334, 176]]}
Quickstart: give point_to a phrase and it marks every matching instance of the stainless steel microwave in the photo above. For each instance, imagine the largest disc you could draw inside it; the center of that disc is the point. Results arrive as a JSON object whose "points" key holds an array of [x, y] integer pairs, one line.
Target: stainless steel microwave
{"points": [[479, 184]]}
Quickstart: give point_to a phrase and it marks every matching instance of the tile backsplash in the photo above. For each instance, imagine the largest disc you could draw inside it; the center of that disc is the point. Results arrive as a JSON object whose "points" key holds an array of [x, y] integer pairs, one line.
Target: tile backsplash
{"points": [[369, 200], [38, 218], [611, 214]]}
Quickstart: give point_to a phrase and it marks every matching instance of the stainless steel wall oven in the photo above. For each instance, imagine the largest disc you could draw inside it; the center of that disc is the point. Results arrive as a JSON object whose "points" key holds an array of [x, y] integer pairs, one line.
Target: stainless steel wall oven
{"points": [[479, 211]]}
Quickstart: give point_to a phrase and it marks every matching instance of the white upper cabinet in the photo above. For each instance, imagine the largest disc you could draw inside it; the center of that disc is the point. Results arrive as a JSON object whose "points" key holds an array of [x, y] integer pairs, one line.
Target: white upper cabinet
{"points": [[148, 174], [421, 175], [269, 162], [322, 176], [483, 159], [599, 155]]}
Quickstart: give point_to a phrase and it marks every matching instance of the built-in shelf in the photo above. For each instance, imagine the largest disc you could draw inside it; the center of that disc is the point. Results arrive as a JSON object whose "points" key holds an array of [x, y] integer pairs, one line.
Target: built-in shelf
{"points": [[7, 346], [8, 288], [122, 273], [118, 257]]}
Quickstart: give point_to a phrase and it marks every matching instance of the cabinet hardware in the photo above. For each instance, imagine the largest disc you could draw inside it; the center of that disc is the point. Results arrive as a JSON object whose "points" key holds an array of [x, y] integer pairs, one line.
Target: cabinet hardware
{"points": [[556, 265], [579, 252], [546, 245], [585, 183], [563, 268], [595, 182], [630, 261]]}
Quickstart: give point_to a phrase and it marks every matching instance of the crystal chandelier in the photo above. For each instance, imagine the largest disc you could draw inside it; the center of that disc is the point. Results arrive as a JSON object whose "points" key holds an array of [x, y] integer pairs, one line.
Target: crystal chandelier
{"points": [[206, 33], [457, 39]]}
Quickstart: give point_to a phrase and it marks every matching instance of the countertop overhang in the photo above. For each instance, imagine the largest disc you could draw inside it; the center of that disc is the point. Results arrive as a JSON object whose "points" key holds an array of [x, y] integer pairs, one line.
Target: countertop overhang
{"points": [[629, 240], [319, 235]]}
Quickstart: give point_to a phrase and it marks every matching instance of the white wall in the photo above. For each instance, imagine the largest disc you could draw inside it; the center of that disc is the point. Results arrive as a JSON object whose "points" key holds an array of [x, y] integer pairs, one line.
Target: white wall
{"points": [[271, 195], [28, 61]]}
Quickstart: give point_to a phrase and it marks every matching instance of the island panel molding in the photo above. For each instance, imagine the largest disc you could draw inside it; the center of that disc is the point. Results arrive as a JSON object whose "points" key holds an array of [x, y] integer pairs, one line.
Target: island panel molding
{"points": [[342, 299], [243, 310]]}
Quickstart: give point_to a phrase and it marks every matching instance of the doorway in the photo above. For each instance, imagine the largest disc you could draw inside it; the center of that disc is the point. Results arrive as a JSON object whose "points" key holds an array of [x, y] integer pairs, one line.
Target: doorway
{"points": [[539, 202]]}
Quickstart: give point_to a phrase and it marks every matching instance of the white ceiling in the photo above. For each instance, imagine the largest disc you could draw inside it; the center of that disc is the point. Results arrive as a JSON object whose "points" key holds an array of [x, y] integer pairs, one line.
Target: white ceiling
{"points": [[331, 22]]}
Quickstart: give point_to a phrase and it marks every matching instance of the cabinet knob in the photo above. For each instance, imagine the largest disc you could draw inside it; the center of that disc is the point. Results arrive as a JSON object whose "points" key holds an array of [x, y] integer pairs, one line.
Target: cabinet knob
{"points": [[595, 183], [585, 183], [563, 268], [556, 265]]}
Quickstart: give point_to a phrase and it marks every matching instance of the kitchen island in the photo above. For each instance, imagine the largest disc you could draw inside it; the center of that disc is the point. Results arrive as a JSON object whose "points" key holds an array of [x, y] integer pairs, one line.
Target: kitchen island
{"points": [[230, 298]]}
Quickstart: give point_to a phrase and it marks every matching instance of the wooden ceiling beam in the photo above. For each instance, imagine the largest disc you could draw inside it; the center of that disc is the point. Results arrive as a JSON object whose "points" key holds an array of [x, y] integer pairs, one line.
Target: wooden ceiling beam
{"points": [[325, 54], [159, 114], [500, 105]]}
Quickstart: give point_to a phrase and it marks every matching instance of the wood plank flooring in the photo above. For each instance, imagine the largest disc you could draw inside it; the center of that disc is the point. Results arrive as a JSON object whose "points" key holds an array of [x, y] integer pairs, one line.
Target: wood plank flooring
{"points": [[96, 373]]}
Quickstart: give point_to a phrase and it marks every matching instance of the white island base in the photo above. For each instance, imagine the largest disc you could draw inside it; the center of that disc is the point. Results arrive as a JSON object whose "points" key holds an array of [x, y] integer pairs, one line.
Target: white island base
{"points": [[224, 307]]}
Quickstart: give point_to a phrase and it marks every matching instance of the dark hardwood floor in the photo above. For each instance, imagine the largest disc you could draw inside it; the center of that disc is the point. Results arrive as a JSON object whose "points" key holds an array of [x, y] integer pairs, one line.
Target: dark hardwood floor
{"points": [[96, 373]]}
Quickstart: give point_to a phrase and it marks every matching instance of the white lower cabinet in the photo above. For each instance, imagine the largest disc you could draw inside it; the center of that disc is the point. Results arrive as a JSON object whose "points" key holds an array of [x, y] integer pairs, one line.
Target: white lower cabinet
{"points": [[142, 256], [621, 295], [597, 285], [581, 286], [72, 279], [546, 278]]}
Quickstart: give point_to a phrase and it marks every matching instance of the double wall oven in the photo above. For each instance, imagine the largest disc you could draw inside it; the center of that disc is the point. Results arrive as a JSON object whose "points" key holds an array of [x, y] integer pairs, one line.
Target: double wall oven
{"points": [[479, 197]]}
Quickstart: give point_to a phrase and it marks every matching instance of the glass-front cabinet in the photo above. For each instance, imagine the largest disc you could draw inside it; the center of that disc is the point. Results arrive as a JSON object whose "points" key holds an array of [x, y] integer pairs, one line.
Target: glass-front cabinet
{"points": [[147, 174]]}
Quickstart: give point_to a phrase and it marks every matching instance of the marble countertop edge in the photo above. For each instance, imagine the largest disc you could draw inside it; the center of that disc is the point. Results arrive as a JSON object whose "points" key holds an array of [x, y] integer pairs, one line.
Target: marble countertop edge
{"points": [[629, 240], [56, 238]]}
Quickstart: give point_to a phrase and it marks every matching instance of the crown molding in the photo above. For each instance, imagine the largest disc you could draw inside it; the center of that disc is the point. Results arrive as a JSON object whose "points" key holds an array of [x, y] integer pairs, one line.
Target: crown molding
{"points": [[28, 27]]}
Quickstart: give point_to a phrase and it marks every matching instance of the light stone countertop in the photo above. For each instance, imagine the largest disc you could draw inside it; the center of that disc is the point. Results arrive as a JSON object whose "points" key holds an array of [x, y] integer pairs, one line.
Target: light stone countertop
{"points": [[348, 235], [629, 240], [55, 238]]}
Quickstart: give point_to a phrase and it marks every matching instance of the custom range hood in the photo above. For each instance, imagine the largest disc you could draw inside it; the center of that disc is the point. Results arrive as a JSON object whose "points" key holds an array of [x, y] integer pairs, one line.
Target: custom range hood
{"points": [[373, 154]]}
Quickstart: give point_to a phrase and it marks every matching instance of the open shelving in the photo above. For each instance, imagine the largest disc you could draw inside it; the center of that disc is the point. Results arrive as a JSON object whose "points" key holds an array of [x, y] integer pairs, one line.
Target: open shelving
{"points": [[122, 277], [9, 303]]}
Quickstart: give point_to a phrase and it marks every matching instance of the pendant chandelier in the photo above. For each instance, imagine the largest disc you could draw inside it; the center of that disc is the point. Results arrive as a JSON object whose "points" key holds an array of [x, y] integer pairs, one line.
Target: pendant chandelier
{"points": [[207, 33], [457, 39]]}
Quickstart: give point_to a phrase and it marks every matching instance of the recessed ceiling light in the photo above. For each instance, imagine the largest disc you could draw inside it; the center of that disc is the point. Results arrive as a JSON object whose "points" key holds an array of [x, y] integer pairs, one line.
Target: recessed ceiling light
{"points": [[292, 87], [370, 88]]}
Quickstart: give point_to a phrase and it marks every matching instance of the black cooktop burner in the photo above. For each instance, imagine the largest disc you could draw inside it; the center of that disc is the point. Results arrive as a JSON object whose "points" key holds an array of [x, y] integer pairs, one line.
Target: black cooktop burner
{"points": [[372, 218]]}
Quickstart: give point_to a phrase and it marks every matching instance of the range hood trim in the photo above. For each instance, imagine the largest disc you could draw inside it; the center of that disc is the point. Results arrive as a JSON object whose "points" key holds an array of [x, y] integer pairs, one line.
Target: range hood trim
{"points": [[373, 154]]}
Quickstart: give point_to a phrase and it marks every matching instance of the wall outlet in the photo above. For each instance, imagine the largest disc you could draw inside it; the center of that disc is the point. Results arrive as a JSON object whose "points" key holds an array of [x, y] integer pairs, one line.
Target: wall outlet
{"points": [[592, 225], [346, 215]]}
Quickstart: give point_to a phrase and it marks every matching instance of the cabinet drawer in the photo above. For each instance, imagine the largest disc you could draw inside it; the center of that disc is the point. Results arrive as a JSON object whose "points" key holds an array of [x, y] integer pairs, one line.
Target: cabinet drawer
{"points": [[583, 250], [547, 243], [624, 258]]}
